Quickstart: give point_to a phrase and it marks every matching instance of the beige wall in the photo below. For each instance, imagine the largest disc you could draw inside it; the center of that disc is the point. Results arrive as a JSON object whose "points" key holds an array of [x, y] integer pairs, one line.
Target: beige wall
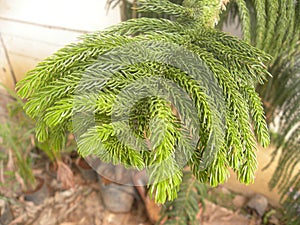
{"points": [[31, 30]]}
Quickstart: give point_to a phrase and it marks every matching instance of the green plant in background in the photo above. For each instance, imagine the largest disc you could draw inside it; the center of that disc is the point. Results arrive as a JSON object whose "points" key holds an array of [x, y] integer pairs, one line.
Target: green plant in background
{"points": [[274, 26], [52, 91], [17, 133]]}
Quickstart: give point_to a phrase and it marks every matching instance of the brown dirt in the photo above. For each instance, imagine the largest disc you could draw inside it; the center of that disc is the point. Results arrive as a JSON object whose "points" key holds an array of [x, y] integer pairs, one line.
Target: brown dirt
{"points": [[80, 205], [83, 205]]}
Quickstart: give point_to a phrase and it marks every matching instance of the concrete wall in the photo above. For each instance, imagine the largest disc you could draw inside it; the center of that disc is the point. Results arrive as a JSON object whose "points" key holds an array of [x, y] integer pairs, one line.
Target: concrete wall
{"points": [[31, 30]]}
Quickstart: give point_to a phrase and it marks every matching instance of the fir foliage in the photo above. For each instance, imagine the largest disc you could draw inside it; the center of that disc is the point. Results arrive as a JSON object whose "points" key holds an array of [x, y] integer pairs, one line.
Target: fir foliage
{"points": [[275, 28], [108, 66], [185, 209]]}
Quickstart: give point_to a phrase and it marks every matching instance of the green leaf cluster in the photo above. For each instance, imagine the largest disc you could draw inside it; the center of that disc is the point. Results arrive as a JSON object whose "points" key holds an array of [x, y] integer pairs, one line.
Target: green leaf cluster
{"points": [[86, 80]]}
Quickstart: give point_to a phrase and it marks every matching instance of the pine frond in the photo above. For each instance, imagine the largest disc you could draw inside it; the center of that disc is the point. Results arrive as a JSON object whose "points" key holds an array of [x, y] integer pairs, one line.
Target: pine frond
{"points": [[245, 19], [266, 22], [142, 25], [281, 28], [235, 111], [156, 94], [102, 142], [295, 38], [272, 9], [58, 138], [291, 201], [184, 209], [257, 113], [67, 58], [218, 173], [163, 6], [163, 134], [260, 10]]}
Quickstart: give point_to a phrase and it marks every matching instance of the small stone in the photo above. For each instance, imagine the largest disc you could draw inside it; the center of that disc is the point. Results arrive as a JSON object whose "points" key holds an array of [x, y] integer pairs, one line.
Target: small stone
{"points": [[117, 198], [115, 218], [258, 203], [67, 193], [97, 221], [57, 196], [2, 204], [239, 201], [5, 213], [224, 190]]}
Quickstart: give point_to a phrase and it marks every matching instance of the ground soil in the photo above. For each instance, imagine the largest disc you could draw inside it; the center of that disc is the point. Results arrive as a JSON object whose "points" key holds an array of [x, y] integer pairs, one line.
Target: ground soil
{"points": [[83, 205]]}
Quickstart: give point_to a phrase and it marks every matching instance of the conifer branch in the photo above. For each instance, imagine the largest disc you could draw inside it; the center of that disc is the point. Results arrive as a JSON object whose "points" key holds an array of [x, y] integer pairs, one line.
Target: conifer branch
{"points": [[113, 90]]}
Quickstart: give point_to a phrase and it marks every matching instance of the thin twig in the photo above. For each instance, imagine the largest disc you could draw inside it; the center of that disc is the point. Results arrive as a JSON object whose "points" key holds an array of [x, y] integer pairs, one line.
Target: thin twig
{"points": [[8, 60], [134, 7]]}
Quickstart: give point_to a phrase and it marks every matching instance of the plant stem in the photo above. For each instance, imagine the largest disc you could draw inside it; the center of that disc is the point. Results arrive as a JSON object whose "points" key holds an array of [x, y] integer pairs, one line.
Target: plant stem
{"points": [[134, 7]]}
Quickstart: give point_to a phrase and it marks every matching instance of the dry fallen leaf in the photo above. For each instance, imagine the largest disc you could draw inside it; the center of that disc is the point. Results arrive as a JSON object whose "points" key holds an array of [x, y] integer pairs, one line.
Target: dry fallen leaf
{"points": [[2, 179], [10, 162], [20, 180], [65, 175]]}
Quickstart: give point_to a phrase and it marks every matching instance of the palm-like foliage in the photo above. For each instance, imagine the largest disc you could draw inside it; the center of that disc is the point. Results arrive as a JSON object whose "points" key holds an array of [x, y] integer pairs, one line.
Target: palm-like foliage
{"points": [[141, 55], [274, 26]]}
